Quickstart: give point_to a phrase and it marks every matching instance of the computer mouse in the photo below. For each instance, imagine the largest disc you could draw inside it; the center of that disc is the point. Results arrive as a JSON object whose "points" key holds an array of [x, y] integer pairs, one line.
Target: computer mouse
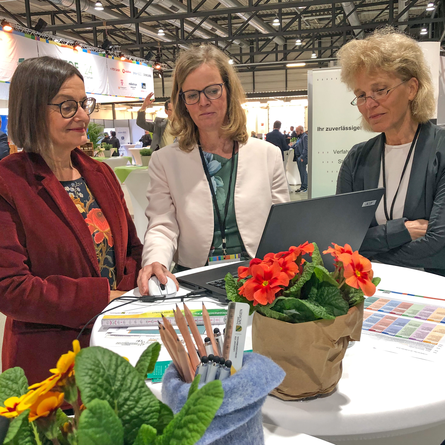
{"points": [[156, 289]]}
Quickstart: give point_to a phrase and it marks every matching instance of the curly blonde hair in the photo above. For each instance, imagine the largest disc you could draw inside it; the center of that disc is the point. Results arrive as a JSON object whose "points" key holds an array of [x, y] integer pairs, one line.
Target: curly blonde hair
{"points": [[395, 53], [182, 124]]}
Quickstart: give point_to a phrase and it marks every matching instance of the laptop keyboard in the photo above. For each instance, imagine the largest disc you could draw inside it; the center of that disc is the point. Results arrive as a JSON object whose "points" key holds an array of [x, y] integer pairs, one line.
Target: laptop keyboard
{"points": [[221, 283]]}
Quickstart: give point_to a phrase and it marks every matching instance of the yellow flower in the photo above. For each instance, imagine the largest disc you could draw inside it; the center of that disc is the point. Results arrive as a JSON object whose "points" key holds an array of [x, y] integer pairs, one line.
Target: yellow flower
{"points": [[64, 369], [46, 404], [16, 405]]}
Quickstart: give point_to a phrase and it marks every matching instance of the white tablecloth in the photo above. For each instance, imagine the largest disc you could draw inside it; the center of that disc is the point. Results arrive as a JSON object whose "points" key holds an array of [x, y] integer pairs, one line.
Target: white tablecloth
{"points": [[380, 394]]}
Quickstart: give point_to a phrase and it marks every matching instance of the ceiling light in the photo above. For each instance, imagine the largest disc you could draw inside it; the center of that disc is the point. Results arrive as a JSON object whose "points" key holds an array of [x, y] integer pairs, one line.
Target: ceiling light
{"points": [[122, 57], [161, 32], [423, 32], [6, 26], [276, 22], [298, 42], [430, 7], [98, 6], [295, 65], [230, 61], [313, 56]]}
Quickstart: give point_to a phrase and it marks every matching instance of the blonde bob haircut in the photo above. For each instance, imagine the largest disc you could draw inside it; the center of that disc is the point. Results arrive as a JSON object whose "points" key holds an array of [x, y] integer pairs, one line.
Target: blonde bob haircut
{"points": [[394, 53], [182, 124]]}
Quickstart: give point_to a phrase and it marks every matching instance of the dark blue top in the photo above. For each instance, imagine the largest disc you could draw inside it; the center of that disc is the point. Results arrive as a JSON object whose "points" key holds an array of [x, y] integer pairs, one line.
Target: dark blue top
{"points": [[278, 139]]}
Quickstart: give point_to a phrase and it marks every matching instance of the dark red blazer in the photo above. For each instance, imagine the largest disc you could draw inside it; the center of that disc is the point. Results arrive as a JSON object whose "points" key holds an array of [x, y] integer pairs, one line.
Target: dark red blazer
{"points": [[50, 284]]}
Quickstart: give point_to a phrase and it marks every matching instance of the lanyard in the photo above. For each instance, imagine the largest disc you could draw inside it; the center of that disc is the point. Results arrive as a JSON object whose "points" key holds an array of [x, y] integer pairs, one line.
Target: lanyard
{"points": [[221, 222], [413, 144]]}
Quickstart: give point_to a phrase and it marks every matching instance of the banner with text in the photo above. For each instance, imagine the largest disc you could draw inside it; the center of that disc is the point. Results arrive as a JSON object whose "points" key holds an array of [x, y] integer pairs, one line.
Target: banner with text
{"points": [[334, 127]]}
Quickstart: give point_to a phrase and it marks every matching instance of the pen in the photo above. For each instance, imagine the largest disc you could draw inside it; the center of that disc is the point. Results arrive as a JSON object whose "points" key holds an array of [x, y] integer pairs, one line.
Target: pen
{"points": [[212, 370], [208, 346], [219, 341], [202, 368], [208, 326], [224, 372]]}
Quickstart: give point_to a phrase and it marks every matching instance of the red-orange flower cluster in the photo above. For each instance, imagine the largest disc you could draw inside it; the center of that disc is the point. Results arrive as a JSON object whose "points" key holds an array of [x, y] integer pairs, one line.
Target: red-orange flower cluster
{"points": [[270, 275]]}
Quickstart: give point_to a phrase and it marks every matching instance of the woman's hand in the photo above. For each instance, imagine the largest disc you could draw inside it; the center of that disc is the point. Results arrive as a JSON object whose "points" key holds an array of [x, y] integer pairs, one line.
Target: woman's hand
{"points": [[148, 271], [116, 294], [417, 228]]}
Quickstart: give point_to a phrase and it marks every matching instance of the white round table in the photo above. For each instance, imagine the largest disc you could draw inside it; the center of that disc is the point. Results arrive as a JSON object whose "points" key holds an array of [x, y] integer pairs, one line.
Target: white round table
{"points": [[381, 394]]}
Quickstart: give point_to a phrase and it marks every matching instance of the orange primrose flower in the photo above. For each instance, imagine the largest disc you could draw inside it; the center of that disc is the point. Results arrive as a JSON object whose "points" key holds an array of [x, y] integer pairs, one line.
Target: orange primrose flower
{"points": [[337, 250], [265, 283], [358, 272], [302, 249], [16, 405], [46, 404], [244, 272]]}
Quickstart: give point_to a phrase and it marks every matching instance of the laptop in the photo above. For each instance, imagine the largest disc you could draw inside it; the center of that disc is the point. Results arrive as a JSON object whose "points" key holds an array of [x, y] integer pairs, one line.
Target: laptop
{"points": [[340, 219]]}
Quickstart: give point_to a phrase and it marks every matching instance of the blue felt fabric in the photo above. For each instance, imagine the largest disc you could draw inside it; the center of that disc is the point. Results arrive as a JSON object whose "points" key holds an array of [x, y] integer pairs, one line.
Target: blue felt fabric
{"points": [[238, 420]]}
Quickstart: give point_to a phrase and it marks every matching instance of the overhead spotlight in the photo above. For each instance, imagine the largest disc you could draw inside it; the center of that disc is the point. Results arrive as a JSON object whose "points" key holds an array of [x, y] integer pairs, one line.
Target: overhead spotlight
{"points": [[122, 57], [423, 32], [161, 32], [98, 6], [313, 56], [276, 22], [295, 65], [230, 61], [157, 66], [6, 26], [298, 42], [430, 7], [40, 25], [77, 47]]}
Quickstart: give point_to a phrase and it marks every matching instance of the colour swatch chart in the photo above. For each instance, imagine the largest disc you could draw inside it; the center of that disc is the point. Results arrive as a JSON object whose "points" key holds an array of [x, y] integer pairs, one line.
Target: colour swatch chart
{"points": [[416, 327]]}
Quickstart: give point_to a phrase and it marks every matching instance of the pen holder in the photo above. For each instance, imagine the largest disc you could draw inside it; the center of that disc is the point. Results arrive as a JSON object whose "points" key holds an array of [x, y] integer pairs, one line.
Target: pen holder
{"points": [[239, 419]]}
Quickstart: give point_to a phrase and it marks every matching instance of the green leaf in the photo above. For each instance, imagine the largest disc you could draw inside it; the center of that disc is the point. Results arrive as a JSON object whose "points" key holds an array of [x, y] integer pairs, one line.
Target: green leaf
{"points": [[20, 432], [99, 425], [190, 424], [272, 313], [146, 435], [317, 259], [232, 287], [295, 290], [376, 281], [194, 386], [323, 275], [102, 374], [301, 311], [331, 299], [13, 383], [165, 416], [147, 361]]}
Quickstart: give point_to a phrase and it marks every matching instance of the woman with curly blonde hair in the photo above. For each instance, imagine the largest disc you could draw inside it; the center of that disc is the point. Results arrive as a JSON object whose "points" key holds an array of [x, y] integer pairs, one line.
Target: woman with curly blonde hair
{"points": [[391, 81], [211, 191]]}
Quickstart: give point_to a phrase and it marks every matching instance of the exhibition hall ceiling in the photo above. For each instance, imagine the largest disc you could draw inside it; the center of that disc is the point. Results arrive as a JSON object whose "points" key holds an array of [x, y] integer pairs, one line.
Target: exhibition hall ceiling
{"points": [[256, 34]]}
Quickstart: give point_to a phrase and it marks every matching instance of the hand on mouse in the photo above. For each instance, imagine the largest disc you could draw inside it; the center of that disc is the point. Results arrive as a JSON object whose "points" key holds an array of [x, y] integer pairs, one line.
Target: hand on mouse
{"points": [[157, 269]]}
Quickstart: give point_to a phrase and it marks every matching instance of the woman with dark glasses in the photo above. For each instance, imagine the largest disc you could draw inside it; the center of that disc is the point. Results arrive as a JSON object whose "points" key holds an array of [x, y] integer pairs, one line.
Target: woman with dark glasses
{"points": [[210, 192], [67, 242], [394, 94]]}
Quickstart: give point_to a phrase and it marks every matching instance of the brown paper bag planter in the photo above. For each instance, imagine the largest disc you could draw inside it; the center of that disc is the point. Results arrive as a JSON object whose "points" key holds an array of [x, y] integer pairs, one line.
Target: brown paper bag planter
{"points": [[310, 353]]}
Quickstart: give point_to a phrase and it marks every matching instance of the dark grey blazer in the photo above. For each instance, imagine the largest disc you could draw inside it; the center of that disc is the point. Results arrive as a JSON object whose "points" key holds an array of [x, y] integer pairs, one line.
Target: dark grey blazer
{"points": [[157, 128], [425, 199], [4, 147]]}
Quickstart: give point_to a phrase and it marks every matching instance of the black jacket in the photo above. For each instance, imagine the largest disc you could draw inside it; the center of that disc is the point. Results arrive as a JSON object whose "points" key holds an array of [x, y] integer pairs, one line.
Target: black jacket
{"points": [[278, 139], [4, 147], [391, 243]]}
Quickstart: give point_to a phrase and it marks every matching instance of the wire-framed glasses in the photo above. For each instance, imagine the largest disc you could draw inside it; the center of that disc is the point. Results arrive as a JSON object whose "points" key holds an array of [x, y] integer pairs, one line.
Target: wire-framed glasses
{"points": [[378, 95], [212, 92], [68, 108]]}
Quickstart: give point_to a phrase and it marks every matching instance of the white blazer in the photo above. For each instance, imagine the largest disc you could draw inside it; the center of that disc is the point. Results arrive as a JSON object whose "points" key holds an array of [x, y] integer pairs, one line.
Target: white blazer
{"points": [[180, 208]]}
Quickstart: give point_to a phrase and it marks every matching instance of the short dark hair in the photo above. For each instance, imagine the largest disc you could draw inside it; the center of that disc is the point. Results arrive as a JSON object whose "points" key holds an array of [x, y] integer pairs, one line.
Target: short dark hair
{"points": [[113, 133], [277, 125], [166, 104], [35, 83]]}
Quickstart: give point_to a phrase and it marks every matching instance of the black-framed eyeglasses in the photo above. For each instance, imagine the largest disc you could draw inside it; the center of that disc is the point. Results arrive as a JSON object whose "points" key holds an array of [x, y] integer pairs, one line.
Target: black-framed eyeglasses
{"points": [[68, 108], [212, 92], [379, 95]]}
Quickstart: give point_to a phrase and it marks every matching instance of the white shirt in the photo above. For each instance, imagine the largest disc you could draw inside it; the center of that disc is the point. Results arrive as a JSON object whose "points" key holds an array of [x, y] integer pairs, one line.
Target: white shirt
{"points": [[395, 158]]}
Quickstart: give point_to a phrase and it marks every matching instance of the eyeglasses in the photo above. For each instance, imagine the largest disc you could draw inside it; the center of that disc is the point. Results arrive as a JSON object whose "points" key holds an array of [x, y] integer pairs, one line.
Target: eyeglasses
{"points": [[68, 108], [212, 92], [379, 95]]}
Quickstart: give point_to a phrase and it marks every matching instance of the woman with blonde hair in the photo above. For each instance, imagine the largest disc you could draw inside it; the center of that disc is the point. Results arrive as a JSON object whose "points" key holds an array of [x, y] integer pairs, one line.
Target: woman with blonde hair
{"points": [[211, 191], [391, 81]]}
